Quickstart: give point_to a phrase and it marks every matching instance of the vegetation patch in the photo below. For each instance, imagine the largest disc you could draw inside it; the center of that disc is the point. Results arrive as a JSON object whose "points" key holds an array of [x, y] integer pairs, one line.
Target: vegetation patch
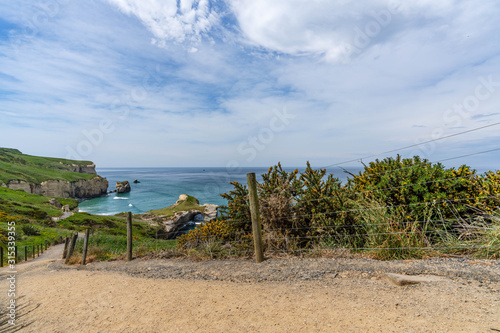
{"points": [[110, 225], [191, 203], [104, 246]]}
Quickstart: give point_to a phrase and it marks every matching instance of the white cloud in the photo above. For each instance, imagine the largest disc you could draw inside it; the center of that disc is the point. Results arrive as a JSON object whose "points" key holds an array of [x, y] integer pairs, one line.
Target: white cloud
{"points": [[180, 21], [332, 29]]}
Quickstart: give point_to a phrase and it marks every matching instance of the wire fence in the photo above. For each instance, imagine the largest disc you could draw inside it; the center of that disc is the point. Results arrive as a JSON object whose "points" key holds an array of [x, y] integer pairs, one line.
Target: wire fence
{"points": [[415, 145], [27, 250], [292, 231]]}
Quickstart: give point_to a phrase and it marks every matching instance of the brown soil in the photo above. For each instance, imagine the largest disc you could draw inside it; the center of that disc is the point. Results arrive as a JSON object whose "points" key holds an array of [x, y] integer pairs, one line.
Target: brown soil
{"points": [[114, 297]]}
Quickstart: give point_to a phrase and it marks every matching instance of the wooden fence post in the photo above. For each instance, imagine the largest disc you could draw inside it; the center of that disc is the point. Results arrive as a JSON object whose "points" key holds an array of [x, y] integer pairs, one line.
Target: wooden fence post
{"points": [[65, 251], [71, 248], [38, 250], [46, 245], [41, 248], [255, 214], [129, 236], [85, 245], [33, 248], [15, 254], [1, 256], [25, 253]]}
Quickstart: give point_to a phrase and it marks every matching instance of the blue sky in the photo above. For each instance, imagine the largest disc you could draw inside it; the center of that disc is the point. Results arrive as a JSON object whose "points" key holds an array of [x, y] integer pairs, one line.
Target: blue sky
{"points": [[249, 82]]}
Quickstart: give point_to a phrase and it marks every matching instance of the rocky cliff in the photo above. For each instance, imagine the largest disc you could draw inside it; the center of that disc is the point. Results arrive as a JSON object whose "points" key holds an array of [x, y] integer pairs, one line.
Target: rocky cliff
{"points": [[88, 169], [82, 188], [177, 218]]}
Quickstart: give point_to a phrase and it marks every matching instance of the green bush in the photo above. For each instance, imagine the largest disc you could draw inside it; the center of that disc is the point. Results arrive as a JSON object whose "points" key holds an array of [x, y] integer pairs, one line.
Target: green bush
{"points": [[30, 230], [394, 208]]}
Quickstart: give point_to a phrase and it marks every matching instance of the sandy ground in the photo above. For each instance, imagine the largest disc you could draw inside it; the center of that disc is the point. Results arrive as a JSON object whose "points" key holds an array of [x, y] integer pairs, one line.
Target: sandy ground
{"points": [[82, 300]]}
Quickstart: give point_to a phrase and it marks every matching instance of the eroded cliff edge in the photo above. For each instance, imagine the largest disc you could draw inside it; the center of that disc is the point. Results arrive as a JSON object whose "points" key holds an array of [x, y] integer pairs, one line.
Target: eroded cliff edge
{"points": [[50, 176], [80, 189]]}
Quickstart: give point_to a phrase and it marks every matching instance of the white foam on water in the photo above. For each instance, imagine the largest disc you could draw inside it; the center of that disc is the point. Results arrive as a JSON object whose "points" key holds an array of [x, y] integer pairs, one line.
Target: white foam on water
{"points": [[120, 198], [130, 205]]}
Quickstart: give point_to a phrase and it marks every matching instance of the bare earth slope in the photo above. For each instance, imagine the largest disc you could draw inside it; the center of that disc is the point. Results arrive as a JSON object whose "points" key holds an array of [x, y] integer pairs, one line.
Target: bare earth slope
{"points": [[280, 295]]}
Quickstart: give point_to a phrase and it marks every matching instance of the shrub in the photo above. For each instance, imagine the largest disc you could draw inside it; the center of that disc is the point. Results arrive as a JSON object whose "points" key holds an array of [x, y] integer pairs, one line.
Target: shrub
{"points": [[207, 232], [30, 230], [410, 184], [396, 208]]}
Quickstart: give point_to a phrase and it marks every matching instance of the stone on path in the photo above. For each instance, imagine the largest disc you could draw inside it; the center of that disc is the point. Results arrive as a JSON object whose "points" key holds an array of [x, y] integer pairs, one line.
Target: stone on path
{"points": [[403, 280]]}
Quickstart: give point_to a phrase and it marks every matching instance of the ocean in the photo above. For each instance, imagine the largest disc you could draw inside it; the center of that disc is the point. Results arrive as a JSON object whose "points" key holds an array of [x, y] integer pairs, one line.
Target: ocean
{"points": [[161, 187]]}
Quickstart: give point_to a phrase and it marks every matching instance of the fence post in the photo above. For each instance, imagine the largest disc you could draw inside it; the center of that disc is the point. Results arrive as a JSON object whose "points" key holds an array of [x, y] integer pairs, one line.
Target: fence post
{"points": [[85, 245], [15, 254], [65, 251], [33, 248], [25, 253], [129, 236], [38, 250], [71, 248], [45, 245], [255, 214], [41, 248], [1, 256]]}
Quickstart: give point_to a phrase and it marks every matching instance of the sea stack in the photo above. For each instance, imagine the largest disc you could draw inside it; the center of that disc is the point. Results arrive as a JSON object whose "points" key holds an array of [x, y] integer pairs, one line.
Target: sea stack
{"points": [[123, 187]]}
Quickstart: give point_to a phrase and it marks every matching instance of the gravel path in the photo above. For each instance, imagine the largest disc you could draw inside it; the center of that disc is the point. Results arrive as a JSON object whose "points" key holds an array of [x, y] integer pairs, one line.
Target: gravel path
{"points": [[278, 295], [481, 272]]}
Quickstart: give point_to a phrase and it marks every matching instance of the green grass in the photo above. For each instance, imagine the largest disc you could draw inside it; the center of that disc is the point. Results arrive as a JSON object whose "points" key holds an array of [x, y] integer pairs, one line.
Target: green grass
{"points": [[190, 204], [34, 169], [19, 205], [106, 224], [103, 247]]}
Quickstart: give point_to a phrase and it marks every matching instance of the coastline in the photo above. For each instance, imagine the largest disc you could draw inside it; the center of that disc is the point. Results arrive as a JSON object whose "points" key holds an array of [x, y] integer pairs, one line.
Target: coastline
{"points": [[161, 187]]}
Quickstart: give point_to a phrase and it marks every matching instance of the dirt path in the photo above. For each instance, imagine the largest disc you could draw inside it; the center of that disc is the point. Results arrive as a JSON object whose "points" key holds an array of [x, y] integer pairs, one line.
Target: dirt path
{"points": [[113, 297]]}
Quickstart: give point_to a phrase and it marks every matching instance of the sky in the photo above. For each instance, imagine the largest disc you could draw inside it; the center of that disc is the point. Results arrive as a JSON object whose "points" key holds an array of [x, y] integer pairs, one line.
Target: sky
{"points": [[164, 83]]}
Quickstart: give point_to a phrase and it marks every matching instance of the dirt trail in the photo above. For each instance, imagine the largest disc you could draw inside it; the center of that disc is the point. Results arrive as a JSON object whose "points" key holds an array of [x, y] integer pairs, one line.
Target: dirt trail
{"points": [[55, 298]]}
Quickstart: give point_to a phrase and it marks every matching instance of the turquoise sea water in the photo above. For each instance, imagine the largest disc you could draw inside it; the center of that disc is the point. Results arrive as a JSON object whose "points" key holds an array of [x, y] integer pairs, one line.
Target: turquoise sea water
{"points": [[161, 187]]}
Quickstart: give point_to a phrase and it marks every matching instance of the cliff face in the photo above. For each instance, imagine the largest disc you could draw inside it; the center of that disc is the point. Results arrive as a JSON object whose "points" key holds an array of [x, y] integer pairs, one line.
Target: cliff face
{"points": [[82, 188], [89, 169]]}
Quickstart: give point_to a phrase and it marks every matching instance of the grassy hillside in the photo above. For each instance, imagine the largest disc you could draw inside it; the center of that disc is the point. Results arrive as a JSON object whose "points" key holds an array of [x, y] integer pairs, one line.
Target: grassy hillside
{"points": [[15, 165], [33, 214], [22, 206]]}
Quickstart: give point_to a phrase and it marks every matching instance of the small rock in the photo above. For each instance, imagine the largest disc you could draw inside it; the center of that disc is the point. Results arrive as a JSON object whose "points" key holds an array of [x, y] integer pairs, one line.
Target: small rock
{"points": [[404, 280], [55, 203]]}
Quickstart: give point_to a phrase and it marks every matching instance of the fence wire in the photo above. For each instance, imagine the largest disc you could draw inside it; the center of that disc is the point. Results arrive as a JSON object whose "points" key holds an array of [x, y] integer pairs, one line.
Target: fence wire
{"points": [[412, 146]]}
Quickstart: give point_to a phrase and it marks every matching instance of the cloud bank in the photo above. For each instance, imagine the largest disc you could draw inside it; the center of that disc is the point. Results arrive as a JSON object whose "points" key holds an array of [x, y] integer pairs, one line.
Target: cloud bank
{"points": [[358, 77]]}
